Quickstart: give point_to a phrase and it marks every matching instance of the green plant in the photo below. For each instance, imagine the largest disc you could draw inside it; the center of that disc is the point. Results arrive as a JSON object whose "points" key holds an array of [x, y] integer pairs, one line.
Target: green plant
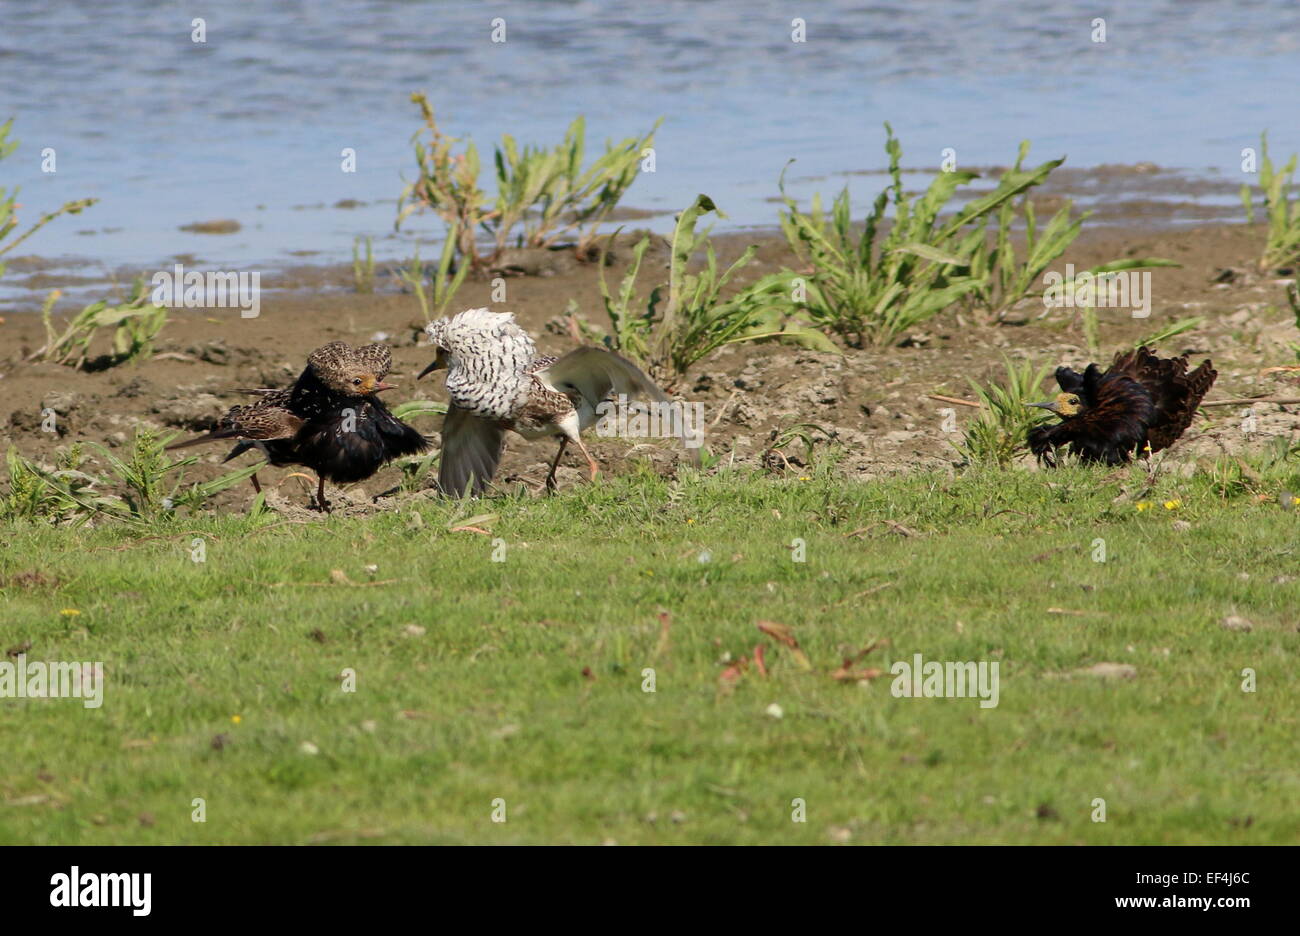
{"points": [[1003, 279], [549, 194], [434, 288], [416, 470], [63, 494], [996, 435], [782, 436], [143, 478], [447, 185], [1268, 473], [1282, 247], [136, 322], [144, 472], [546, 192], [196, 496], [419, 408], [1091, 329], [868, 292], [1091, 324], [689, 317], [413, 276], [630, 328], [9, 204], [363, 272], [1172, 330], [69, 494]]}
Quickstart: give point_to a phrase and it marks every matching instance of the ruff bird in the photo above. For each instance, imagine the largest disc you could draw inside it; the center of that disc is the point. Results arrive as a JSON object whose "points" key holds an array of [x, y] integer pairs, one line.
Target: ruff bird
{"points": [[331, 420], [1141, 403], [497, 382]]}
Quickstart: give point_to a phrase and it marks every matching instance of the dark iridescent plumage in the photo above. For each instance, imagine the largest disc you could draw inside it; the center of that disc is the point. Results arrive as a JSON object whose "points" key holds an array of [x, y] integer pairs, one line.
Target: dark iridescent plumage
{"points": [[330, 420], [1140, 401]]}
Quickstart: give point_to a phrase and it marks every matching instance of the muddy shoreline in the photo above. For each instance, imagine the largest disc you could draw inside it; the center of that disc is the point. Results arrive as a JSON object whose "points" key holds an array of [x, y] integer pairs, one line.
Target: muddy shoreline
{"points": [[874, 406]]}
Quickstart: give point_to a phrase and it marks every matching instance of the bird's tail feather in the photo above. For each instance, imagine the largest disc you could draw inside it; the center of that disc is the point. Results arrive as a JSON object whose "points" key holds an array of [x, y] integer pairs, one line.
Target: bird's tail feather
{"points": [[216, 436]]}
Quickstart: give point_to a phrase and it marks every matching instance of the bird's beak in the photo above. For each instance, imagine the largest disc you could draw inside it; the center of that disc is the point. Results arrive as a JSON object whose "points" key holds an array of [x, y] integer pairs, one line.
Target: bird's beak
{"points": [[1051, 407], [438, 362], [382, 386]]}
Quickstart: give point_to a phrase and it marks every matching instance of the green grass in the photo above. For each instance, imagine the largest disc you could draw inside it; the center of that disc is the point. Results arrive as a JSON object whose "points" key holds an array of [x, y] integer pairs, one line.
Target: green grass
{"points": [[496, 701]]}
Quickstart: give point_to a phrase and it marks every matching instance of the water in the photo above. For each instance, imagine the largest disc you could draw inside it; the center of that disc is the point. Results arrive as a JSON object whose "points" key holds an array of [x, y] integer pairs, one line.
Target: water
{"points": [[250, 124]]}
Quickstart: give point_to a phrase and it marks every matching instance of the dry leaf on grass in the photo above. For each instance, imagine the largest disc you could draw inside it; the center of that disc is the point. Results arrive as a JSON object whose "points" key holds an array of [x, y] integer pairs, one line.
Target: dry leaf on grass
{"points": [[782, 634]]}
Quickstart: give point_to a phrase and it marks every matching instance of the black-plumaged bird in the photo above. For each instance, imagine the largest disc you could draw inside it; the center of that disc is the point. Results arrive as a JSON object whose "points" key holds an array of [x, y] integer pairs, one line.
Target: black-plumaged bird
{"points": [[330, 420], [1141, 403]]}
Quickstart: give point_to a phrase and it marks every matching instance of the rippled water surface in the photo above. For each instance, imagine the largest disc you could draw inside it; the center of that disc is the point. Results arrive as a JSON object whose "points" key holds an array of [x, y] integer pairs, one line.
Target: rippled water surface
{"points": [[250, 124]]}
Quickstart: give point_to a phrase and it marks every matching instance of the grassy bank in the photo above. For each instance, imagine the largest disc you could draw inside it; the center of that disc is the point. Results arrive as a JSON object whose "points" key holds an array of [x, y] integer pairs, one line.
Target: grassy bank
{"points": [[526, 682]]}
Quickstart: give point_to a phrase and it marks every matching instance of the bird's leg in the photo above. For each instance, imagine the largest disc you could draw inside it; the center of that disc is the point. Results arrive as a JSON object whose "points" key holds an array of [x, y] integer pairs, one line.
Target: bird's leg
{"points": [[320, 494], [595, 469], [550, 478], [257, 488]]}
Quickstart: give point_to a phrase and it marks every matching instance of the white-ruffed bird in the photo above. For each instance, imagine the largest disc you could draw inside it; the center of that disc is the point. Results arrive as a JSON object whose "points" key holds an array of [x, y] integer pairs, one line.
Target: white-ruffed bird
{"points": [[497, 382]]}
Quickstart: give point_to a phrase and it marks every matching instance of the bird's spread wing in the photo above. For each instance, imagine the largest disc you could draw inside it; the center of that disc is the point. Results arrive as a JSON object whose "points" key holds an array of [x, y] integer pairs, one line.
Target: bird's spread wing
{"points": [[471, 449], [268, 418], [1114, 425], [1175, 393], [1071, 381], [594, 373]]}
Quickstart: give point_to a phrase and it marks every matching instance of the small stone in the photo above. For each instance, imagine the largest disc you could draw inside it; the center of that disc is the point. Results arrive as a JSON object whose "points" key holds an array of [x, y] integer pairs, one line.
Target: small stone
{"points": [[1234, 622], [62, 402], [775, 711]]}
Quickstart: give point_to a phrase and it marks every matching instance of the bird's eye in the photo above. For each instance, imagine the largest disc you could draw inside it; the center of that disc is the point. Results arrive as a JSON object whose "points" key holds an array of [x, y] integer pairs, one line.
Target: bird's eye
{"points": [[356, 382]]}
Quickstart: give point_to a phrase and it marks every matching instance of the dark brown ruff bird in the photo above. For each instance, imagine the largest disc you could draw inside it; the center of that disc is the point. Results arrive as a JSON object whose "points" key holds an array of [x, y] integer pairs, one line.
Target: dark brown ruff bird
{"points": [[330, 420], [497, 382], [1141, 403]]}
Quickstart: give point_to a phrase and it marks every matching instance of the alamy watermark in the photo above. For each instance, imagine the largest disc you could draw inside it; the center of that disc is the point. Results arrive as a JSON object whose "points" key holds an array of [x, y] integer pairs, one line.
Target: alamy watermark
{"points": [[950, 679], [1124, 290], [660, 420], [53, 680], [177, 289], [88, 889]]}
